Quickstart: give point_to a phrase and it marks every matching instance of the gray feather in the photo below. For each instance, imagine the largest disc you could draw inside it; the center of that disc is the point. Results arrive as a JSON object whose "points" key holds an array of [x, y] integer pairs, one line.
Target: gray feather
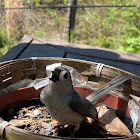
{"points": [[82, 106]]}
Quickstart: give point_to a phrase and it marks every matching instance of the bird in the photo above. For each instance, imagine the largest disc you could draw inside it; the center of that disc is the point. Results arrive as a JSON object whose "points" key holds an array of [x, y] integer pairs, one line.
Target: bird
{"points": [[63, 103]]}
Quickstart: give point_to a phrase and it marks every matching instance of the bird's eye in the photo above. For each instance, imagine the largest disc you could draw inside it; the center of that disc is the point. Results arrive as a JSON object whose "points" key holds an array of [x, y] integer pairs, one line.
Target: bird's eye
{"points": [[66, 75]]}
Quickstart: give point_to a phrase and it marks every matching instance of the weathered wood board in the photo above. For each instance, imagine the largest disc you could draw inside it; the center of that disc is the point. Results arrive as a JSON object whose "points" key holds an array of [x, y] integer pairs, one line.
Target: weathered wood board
{"points": [[40, 47]]}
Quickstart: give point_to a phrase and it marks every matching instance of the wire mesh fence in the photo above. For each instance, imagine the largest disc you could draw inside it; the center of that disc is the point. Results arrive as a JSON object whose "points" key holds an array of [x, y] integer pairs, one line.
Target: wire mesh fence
{"points": [[110, 26]]}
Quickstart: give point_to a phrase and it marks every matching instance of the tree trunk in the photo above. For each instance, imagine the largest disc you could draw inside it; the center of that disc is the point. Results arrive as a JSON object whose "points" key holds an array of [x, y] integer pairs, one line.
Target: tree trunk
{"points": [[11, 17], [70, 22]]}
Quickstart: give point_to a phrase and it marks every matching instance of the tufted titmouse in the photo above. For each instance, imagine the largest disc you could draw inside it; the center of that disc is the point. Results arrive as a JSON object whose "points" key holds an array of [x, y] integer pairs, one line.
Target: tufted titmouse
{"points": [[63, 102]]}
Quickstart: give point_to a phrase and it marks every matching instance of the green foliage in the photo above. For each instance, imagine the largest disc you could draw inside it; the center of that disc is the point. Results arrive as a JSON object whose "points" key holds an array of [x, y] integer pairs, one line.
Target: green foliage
{"points": [[113, 28], [3, 42], [36, 2], [41, 33], [130, 41], [3, 39], [132, 44]]}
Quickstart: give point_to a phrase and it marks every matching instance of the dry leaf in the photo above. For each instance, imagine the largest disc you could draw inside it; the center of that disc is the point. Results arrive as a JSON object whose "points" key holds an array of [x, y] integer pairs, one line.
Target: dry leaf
{"points": [[16, 122], [54, 123], [110, 122]]}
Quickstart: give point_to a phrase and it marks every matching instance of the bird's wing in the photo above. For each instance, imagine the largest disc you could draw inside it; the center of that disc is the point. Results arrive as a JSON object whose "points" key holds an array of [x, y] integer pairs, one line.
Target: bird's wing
{"points": [[82, 106]]}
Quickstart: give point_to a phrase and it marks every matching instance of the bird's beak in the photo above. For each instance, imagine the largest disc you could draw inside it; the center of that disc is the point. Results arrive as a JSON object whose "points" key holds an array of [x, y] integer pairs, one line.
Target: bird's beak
{"points": [[55, 76]]}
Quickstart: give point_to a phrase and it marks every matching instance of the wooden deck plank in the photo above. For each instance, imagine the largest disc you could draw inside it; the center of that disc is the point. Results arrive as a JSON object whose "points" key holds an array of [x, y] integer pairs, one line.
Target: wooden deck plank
{"points": [[41, 47], [14, 52], [37, 49], [93, 51]]}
